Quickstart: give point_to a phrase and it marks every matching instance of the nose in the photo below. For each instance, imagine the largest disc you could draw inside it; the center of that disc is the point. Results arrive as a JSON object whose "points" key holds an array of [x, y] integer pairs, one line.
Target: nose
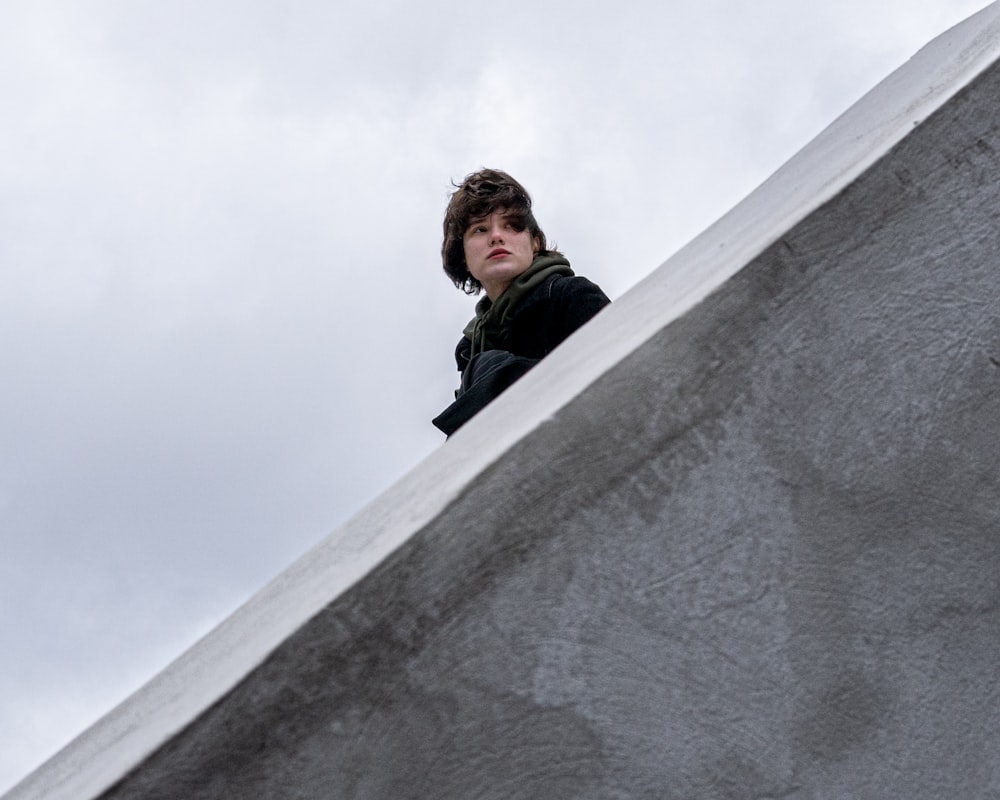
{"points": [[496, 233]]}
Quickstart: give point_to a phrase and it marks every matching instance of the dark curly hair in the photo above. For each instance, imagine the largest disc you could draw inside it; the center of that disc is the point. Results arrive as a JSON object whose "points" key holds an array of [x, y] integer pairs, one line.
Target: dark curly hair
{"points": [[479, 195]]}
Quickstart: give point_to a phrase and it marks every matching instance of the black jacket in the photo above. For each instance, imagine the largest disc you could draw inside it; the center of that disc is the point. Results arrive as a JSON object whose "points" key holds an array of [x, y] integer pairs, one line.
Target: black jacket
{"points": [[538, 324]]}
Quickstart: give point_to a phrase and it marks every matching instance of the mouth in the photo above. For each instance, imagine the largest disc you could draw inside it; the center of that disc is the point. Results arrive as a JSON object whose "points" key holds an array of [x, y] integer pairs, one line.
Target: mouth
{"points": [[498, 253]]}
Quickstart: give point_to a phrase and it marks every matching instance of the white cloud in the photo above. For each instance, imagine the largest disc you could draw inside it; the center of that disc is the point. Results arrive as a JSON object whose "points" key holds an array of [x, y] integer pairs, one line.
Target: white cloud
{"points": [[223, 324]]}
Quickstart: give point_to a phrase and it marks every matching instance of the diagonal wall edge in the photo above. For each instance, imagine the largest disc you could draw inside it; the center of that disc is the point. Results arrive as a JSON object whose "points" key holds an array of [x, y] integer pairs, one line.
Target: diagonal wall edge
{"points": [[738, 535]]}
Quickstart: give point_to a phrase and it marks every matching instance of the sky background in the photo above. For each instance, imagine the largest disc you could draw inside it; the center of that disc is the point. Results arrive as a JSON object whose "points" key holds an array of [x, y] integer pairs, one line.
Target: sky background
{"points": [[224, 327]]}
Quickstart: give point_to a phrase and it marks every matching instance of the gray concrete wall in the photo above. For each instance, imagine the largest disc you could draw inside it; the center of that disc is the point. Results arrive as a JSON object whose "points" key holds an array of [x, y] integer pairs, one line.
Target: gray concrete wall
{"points": [[751, 550]]}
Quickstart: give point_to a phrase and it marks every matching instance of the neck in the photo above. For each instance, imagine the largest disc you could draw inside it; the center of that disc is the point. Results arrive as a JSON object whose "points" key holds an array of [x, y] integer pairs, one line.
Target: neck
{"points": [[494, 290]]}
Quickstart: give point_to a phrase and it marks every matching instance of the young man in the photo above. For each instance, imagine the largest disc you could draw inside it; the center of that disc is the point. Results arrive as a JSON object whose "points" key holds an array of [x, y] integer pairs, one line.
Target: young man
{"points": [[493, 243]]}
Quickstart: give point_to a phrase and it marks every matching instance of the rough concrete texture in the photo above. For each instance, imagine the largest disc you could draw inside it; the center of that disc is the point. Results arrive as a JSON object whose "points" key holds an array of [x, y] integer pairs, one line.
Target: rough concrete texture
{"points": [[758, 557]]}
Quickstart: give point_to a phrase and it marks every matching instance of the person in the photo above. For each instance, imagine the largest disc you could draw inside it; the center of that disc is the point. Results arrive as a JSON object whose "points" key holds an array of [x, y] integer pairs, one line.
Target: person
{"points": [[493, 244]]}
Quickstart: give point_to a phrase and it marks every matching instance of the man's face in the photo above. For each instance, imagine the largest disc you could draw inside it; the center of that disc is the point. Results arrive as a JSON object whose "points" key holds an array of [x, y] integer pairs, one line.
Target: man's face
{"points": [[498, 248]]}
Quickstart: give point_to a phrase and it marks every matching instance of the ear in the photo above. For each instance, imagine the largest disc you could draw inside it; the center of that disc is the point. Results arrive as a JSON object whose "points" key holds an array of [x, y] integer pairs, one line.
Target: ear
{"points": [[536, 245]]}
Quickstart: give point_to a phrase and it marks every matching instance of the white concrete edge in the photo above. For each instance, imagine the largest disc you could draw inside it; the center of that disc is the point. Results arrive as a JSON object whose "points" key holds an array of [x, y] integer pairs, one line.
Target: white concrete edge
{"points": [[131, 732]]}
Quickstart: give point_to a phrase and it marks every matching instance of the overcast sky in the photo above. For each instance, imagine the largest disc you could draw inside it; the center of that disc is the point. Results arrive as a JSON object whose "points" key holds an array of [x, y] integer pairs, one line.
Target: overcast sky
{"points": [[223, 322]]}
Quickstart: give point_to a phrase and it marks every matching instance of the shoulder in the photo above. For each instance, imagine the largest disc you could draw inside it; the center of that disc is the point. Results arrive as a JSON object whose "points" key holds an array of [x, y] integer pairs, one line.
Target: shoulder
{"points": [[560, 305], [576, 298], [574, 286]]}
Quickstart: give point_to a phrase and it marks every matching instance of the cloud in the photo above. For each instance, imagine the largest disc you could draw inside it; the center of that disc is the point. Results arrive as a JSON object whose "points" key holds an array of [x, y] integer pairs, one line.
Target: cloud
{"points": [[223, 324]]}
